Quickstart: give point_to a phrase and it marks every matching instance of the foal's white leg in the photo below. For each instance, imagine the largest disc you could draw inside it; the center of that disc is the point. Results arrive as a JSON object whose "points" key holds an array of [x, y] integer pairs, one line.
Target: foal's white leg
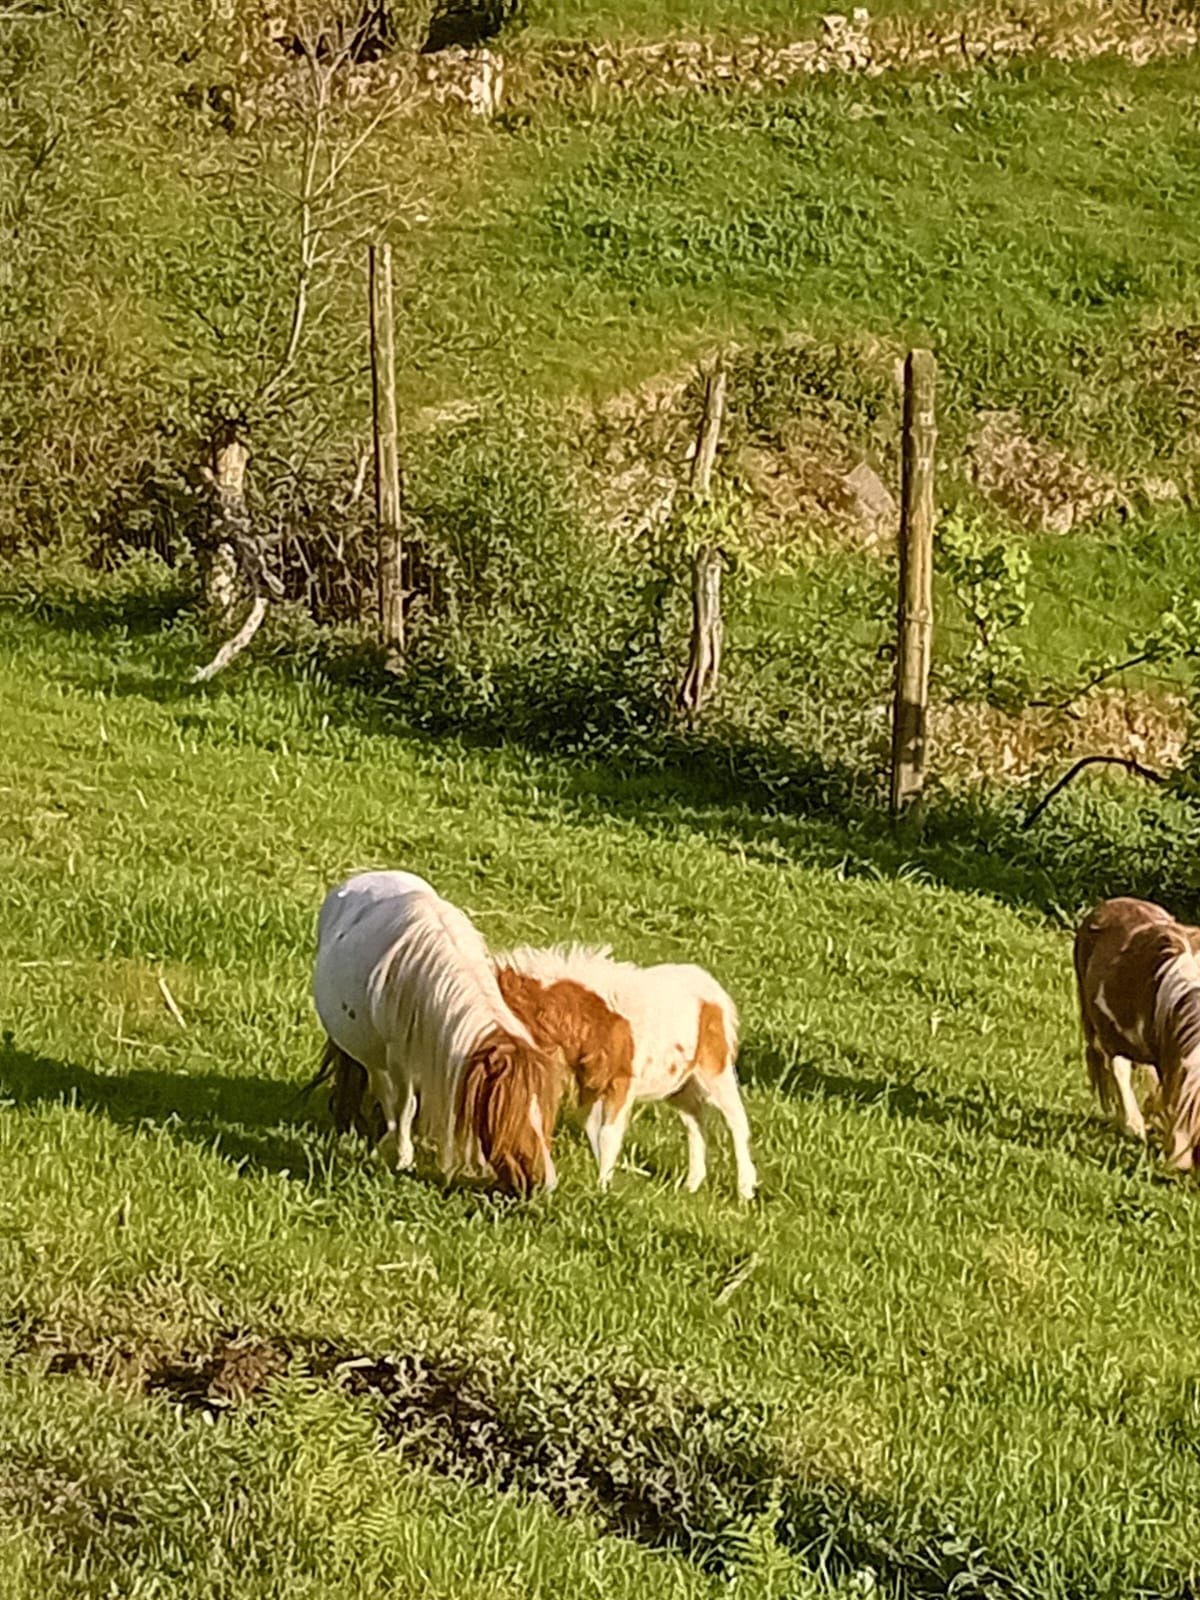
{"points": [[1121, 1069], [726, 1096], [610, 1138], [549, 1170], [689, 1102], [595, 1121]]}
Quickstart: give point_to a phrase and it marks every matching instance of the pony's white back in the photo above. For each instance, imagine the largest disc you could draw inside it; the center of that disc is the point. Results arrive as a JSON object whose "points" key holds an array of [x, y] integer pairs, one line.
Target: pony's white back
{"points": [[398, 966], [661, 1003]]}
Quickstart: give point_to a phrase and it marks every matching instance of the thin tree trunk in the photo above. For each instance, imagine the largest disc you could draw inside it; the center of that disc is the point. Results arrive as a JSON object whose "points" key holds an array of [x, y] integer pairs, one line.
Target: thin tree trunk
{"points": [[915, 620], [387, 457], [230, 522]]}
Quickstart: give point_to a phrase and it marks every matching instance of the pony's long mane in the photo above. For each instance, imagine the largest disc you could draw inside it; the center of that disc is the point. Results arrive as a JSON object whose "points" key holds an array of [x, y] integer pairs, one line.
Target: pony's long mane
{"points": [[503, 1087], [436, 993]]}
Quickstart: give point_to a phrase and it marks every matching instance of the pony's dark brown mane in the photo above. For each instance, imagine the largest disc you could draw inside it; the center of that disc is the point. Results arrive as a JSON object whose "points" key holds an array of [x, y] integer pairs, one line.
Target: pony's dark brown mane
{"points": [[502, 1078]]}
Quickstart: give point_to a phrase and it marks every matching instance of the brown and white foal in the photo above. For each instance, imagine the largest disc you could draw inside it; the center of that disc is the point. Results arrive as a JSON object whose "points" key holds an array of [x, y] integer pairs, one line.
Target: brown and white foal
{"points": [[1138, 973], [666, 1032]]}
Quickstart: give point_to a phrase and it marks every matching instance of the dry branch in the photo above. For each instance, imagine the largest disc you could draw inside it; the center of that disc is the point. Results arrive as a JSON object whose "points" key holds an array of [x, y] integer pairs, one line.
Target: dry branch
{"points": [[232, 648], [1129, 764]]}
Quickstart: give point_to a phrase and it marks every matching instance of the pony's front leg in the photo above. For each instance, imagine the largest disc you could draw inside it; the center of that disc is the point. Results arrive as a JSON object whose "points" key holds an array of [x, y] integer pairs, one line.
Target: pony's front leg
{"points": [[406, 1115], [1121, 1070], [396, 1093], [592, 1125], [614, 1119]]}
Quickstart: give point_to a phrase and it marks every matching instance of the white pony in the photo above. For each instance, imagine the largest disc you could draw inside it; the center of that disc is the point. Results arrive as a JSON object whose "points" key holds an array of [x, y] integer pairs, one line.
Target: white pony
{"points": [[682, 1040], [405, 988]]}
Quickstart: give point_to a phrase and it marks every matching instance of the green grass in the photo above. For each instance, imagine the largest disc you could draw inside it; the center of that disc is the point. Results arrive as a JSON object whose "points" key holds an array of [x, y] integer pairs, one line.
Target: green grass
{"points": [[657, 19], [959, 1304], [909, 208]]}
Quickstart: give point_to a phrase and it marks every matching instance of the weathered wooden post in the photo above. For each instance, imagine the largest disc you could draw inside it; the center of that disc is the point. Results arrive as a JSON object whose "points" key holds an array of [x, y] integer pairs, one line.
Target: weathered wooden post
{"points": [[387, 456], [915, 613], [704, 651]]}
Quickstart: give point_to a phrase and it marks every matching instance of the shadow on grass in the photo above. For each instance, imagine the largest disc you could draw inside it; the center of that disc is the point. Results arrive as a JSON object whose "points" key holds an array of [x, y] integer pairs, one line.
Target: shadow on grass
{"points": [[761, 797], [250, 1122], [258, 1124], [807, 812], [136, 612], [982, 1114]]}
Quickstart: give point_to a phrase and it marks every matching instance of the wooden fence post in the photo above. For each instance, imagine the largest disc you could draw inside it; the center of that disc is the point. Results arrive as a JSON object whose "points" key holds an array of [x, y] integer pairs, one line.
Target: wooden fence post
{"points": [[915, 613], [387, 456], [704, 650]]}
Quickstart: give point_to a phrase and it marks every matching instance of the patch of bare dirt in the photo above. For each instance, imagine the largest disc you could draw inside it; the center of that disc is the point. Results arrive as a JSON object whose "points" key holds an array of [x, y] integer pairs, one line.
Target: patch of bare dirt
{"points": [[239, 1368], [816, 472], [1038, 483], [972, 743], [236, 1372], [804, 473], [817, 481]]}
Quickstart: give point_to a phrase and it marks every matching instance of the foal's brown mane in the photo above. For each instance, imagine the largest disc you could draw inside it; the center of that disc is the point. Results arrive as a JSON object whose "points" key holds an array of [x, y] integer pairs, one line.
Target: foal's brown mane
{"points": [[589, 1039]]}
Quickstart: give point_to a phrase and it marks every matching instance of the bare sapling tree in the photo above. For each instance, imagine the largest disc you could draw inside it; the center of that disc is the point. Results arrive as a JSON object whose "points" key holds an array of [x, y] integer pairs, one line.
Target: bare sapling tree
{"points": [[331, 221], [703, 671], [388, 481]]}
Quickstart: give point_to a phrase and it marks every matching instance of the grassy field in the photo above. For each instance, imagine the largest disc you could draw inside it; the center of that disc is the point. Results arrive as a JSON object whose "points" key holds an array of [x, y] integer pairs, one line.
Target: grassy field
{"points": [[657, 19], [953, 1337], [949, 1351], [601, 248]]}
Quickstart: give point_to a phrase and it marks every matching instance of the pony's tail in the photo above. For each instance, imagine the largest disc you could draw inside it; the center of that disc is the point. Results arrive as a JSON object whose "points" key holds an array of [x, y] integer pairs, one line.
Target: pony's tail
{"points": [[347, 1097], [322, 1075]]}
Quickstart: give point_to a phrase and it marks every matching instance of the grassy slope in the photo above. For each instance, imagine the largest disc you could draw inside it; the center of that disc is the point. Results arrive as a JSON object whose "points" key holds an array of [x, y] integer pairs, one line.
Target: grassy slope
{"points": [[1030, 223], [957, 1291], [656, 19]]}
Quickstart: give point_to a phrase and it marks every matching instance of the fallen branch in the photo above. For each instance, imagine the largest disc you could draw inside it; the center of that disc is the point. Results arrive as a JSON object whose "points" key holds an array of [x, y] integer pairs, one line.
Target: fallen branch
{"points": [[232, 648], [1129, 764]]}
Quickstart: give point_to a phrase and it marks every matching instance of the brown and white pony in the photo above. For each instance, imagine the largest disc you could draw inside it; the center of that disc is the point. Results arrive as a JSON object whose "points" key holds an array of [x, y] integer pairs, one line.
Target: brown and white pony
{"points": [[629, 1034], [1138, 974], [408, 995]]}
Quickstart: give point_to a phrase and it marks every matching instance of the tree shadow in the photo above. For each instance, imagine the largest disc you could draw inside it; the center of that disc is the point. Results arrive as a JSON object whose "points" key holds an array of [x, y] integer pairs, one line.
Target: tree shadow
{"points": [[135, 612], [980, 1113], [833, 817], [250, 1122], [763, 797]]}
